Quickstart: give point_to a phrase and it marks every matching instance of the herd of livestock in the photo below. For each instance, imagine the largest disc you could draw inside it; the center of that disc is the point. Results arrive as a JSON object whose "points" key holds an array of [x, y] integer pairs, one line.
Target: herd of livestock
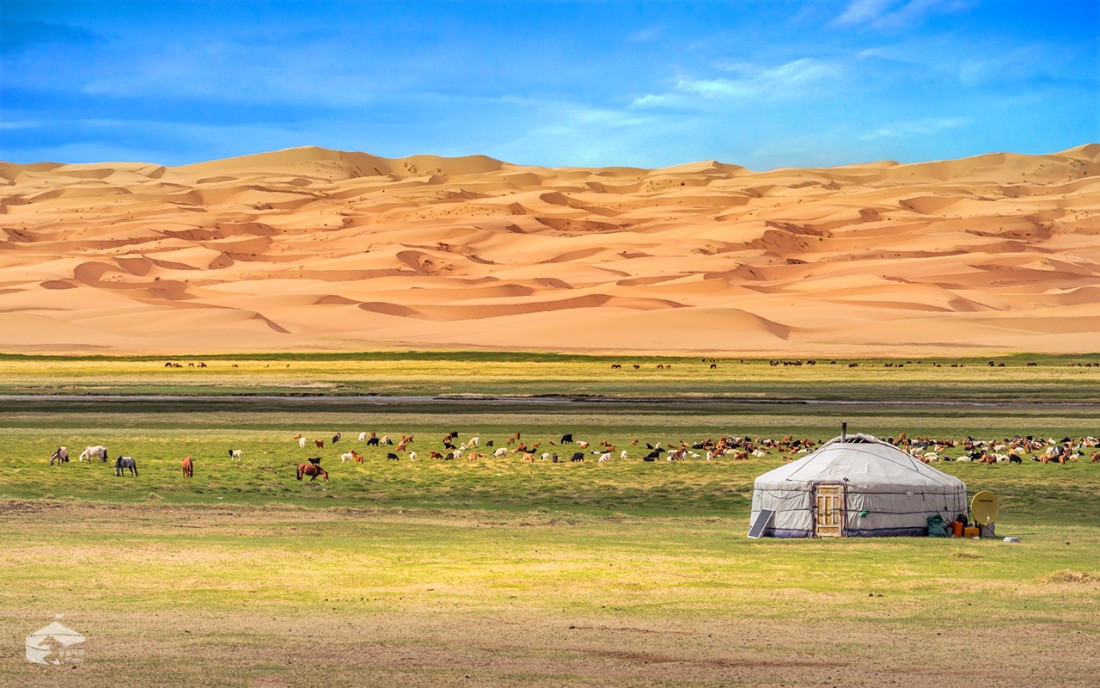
{"points": [[929, 450]]}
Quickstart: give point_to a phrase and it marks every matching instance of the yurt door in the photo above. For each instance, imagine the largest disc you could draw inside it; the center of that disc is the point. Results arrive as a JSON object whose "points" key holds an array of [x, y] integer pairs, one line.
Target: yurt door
{"points": [[829, 509]]}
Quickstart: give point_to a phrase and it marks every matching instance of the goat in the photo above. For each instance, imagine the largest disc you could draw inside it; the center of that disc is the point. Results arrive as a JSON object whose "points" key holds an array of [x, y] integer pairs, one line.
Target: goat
{"points": [[235, 454]]}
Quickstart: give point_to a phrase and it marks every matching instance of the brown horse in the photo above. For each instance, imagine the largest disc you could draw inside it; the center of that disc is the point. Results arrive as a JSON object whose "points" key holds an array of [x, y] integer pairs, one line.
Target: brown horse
{"points": [[312, 470], [319, 443], [188, 467]]}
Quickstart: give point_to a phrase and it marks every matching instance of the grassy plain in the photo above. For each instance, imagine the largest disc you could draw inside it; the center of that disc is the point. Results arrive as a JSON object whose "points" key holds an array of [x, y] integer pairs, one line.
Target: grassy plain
{"points": [[503, 573]]}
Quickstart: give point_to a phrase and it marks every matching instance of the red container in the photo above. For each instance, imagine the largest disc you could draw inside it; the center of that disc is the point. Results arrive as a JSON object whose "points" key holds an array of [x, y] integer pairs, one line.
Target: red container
{"points": [[957, 528]]}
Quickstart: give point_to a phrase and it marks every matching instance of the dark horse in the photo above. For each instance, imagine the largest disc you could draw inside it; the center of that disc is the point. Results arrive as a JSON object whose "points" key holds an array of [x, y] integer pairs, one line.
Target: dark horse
{"points": [[312, 470], [124, 462]]}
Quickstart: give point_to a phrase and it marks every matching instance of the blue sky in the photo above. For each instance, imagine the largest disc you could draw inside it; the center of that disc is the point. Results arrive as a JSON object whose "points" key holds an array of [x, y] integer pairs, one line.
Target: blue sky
{"points": [[755, 83]]}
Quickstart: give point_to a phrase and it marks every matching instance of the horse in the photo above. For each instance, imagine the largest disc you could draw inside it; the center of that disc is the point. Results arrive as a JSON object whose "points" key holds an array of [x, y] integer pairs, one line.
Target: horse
{"points": [[188, 467], [125, 462], [235, 454], [312, 470], [320, 444], [61, 456], [92, 452]]}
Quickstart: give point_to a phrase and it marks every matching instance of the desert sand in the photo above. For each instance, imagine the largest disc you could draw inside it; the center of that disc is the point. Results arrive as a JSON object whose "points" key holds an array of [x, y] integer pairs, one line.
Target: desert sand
{"points": [[310, 249]]}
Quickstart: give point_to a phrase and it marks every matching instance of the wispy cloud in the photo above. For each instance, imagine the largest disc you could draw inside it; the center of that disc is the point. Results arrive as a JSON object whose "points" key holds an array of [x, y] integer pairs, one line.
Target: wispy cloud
{"points": [[750, 82], [889, 15], [911, 128]]}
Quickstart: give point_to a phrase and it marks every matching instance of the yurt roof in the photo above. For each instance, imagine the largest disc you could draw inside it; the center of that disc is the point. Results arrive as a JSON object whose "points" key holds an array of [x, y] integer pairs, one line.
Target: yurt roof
{"points": [[859, 460]]}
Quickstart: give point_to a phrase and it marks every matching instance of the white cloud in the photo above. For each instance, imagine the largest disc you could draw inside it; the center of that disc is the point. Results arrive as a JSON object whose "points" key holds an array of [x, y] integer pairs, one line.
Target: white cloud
{"points": [[863, 12], [25, 124], [912, 128], [888, 15], [752, 83]]}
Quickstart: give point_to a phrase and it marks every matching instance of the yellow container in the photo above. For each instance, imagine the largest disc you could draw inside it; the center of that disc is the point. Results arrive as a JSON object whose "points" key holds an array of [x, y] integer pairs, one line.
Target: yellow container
{"points": [[970, 532]]}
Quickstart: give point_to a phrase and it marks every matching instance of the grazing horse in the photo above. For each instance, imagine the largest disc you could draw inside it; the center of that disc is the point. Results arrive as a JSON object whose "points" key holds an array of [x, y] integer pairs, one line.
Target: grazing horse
{"points": [[188, 467], [92, 452], [123, 463], [312, 470], [60, 456]]}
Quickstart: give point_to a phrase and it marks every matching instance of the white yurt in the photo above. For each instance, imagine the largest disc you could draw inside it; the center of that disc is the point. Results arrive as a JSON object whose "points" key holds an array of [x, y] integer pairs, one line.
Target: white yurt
{"points": [[854, 486]]}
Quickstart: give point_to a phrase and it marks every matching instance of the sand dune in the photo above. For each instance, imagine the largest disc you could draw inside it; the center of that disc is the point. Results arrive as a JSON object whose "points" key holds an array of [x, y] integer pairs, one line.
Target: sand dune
{"points": [[315, 249]]}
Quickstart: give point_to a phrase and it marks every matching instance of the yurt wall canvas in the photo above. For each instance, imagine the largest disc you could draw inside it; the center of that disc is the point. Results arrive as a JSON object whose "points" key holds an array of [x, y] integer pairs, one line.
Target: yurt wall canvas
{"points": [[856, 486]]}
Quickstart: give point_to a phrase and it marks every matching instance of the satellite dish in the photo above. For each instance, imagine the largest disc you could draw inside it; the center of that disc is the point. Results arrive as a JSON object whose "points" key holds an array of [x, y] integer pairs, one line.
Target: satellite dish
{"points": [[985, 507]]}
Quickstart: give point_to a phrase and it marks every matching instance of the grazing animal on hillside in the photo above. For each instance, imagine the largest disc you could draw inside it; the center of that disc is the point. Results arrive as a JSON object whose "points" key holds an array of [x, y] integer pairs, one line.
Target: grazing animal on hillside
{"points": [[567, 438], [124, 463], [336, 438], [188, 467], [60, 456], [392, 457], [320, 444], [385, 439], [412, 456], [372, 441], [433, 454], [312, 470], [529, 458], [362, 436], [235, 454], [503, 451], [302, 442], [624, 454], [93, 452], [352, 455], [605, 457], [653, 455], [577, 457]]}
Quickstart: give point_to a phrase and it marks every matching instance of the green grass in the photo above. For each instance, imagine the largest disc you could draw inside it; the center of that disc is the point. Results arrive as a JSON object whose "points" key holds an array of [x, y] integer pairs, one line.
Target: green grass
{"points": [[504, 573], [1052, 379]]}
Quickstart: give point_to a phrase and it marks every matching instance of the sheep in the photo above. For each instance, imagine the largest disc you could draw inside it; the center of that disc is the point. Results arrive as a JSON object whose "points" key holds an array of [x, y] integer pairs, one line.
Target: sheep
{"points": [[624, 454], [503, 451], [302, 442], [605, 457], [412, 456], [362, 436]]}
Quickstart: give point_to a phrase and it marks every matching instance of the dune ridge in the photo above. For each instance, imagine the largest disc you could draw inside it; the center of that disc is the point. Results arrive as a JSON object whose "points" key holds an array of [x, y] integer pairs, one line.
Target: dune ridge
{"points": [[316, 249]]}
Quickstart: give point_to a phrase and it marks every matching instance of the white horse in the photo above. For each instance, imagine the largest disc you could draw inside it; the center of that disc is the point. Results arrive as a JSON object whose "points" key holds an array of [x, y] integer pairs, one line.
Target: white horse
{"points": [[90, 453]]}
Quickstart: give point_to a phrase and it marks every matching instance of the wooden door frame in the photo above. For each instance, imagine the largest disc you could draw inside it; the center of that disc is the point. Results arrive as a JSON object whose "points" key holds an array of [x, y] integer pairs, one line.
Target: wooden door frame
{"points": [[843, 505]]}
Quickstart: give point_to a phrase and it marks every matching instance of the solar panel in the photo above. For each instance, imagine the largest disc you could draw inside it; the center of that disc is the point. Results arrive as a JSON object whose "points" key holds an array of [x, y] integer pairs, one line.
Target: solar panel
{"points": [[762, 520]]}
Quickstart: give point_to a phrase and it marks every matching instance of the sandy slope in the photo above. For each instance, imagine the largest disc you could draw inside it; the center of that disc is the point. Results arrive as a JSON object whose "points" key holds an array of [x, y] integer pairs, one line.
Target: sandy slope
{"points": [[326, 250]]}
